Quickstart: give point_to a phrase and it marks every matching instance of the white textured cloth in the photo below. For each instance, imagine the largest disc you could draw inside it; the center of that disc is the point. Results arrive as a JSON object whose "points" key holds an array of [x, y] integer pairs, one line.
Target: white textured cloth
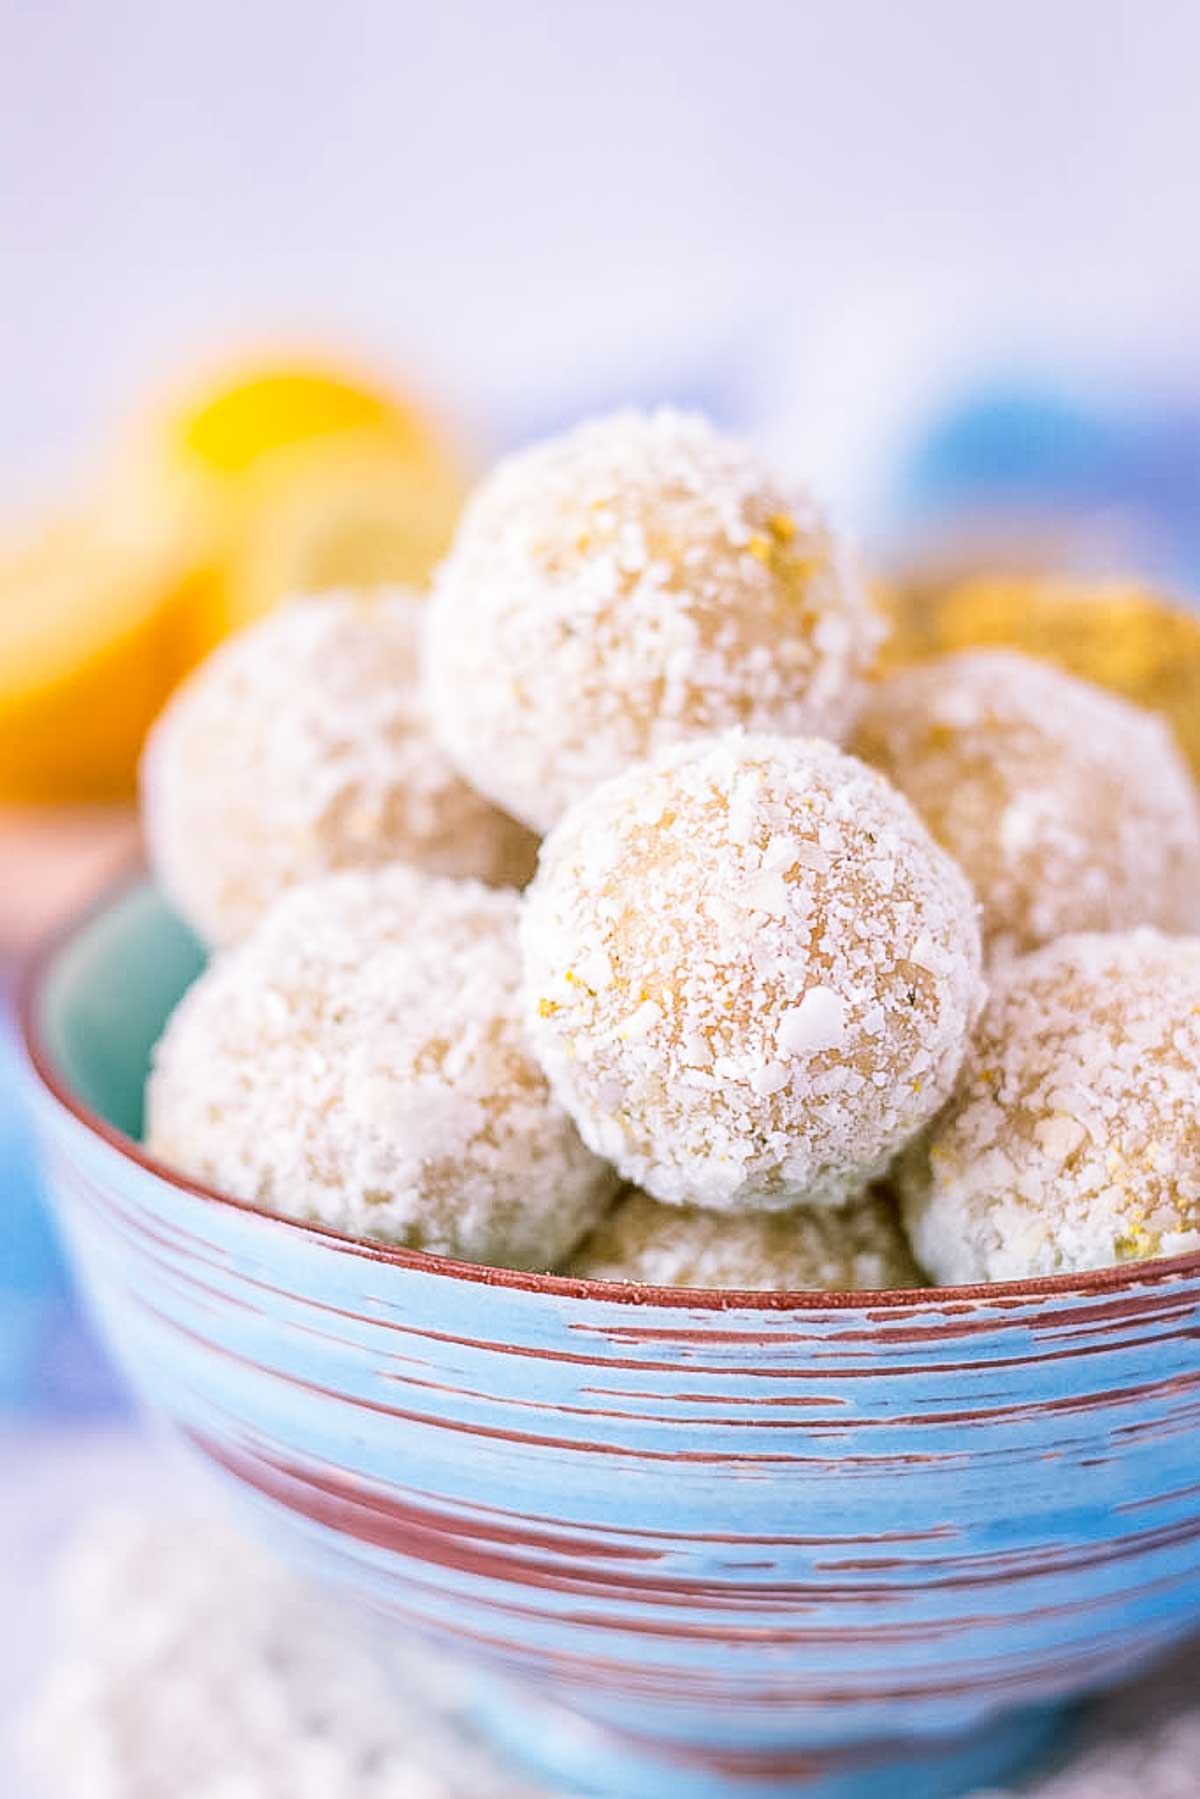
{"points": [[189, 1666]]}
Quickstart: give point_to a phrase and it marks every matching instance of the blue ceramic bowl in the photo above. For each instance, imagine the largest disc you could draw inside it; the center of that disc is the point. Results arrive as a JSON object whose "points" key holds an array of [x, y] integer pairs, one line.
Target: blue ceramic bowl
{"points": [[691, 1543]]}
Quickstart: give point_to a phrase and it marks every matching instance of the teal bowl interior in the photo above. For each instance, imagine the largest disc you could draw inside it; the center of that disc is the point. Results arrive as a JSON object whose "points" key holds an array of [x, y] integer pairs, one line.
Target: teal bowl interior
{"points": [[691, 1544], [106, 996]]}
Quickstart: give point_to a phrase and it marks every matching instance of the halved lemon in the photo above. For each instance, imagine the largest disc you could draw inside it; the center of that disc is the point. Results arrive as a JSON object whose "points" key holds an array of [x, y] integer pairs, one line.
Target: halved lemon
{"points": [[355, 515], [289, 475], [227, 426], [93, 636]]}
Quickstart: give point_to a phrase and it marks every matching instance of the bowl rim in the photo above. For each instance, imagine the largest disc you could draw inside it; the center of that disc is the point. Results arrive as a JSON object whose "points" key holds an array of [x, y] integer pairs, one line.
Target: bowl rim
{"points": [[39, 964]]}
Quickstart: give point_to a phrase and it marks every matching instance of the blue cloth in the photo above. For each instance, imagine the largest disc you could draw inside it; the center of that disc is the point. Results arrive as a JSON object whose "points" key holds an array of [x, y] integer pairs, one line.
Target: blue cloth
{"points": [[1011, 448], [50, 1360]]}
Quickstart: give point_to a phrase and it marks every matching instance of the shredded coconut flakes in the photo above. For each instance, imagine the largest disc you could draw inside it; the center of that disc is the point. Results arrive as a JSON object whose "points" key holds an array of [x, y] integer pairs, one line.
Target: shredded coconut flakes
{"points": [[816, 1247], [769, 1031], [639, 580], [300, 747], [1073, 1140], [1068, 808], [360, 1061]]}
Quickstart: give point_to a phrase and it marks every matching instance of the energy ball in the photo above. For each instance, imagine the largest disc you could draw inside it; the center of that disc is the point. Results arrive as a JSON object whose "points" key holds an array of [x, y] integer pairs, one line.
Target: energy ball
{"points": [[639, 581], [860, 1246], [1068, 808], [300, 747], [750, 972], [1073, 1139], [1120, 636], [360, 1061]]}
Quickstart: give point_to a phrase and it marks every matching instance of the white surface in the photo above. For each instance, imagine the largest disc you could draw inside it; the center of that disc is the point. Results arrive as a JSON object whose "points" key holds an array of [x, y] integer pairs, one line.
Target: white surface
{"points": [[49, 1480]]}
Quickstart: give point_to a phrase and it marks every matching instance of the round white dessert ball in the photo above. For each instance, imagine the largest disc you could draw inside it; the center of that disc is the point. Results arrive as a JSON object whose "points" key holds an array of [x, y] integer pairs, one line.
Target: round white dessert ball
{"points": [[301, 746], [1073, 1138], [1068, 808], [640, 580], [360, 1061], [858, 1246], [750, 972]]}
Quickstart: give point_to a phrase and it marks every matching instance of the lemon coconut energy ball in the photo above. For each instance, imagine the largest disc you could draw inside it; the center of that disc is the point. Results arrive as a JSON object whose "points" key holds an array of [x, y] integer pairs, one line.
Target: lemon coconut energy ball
{"points": [[858, 1246], [299, 747], [1119, 635], [1069, 809], [640, 580], [1073, 1139], [360, 1061], [750, 972]]}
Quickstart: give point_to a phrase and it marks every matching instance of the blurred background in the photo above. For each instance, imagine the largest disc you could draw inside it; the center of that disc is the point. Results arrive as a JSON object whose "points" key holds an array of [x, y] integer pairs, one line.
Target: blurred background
{"points": [[278, 278], [817, 215]]}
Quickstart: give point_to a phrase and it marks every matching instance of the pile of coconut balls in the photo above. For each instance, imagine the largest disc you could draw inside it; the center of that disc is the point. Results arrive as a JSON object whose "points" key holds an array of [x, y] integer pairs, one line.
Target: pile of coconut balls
{"points": [[816, 980]]}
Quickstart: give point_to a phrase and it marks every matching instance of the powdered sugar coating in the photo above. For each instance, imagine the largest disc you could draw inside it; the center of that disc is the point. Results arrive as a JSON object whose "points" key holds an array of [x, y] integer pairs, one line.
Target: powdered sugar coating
{"points": [[360, 1061], [640, 580], [300, 747], [750, 972], [1073, 1139], [1069, 809], [858, 1246]]}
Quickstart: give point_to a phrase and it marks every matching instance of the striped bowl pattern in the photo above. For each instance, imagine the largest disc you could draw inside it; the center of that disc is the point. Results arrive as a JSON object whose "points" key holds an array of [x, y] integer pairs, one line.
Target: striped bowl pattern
{"points": [[758, 1541]]}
